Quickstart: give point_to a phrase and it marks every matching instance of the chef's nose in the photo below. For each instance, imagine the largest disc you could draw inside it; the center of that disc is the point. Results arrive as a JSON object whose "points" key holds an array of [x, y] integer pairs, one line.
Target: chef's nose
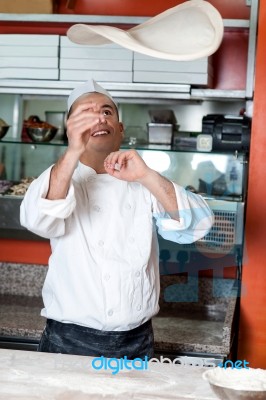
{"points": [[102, 118]]}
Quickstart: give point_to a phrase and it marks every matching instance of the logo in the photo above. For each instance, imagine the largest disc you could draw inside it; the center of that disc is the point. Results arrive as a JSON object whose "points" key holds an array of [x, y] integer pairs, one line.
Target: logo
{"points": [[238, 364], [118, 364]]}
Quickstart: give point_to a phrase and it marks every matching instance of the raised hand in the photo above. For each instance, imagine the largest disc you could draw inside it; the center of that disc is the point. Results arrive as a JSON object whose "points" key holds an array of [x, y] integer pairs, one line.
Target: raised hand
{"points": [[80, 123], [129, 166], [126, 165]]}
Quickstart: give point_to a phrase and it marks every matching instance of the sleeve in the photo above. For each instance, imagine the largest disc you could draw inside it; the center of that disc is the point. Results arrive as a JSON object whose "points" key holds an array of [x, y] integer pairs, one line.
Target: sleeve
{"points": [[195, 218], [45, 217]]}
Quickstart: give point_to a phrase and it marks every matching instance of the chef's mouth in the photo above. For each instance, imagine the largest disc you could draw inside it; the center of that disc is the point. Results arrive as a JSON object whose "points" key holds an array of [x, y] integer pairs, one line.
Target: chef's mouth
{"points": [[100, 132]]}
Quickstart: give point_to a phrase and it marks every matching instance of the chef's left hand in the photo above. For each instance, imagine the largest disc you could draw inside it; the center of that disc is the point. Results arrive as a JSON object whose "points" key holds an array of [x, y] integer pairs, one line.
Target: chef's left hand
{"points": [[126, 165]]}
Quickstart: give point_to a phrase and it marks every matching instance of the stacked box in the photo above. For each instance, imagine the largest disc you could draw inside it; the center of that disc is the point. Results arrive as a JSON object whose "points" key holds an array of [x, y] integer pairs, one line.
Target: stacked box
{"points": [[27, 6], [154, 70], [107, 63], [29, 56]]}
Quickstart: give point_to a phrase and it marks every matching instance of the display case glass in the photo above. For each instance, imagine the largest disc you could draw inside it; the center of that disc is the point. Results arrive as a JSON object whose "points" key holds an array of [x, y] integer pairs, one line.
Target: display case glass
{"points": [[215, 175]]}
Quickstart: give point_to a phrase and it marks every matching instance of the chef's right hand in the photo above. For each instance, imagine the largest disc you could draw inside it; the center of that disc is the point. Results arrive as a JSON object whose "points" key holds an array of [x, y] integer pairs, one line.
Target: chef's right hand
{"points": [[79, 125]]}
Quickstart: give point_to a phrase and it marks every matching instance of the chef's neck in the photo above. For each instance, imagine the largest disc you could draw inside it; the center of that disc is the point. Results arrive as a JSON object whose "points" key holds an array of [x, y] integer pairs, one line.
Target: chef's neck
{"points": [[95, 160]]}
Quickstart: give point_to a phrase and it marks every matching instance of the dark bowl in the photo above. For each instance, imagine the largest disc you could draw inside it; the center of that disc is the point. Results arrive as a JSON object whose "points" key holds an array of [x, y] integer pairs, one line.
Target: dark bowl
{"points": [[3, 130], [38, 134]]}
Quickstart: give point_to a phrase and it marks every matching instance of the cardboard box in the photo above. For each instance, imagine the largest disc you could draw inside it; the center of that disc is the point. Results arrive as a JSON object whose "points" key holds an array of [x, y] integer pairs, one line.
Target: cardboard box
{"points": [[146, 63], [96, 65], [28, 51], [27, 6], [101, 76], [29, 56], [29, 40], [28, 62], [172, 77], [29, 73], [153, 70], [12, 45], [105, 52], [107, 63], [96, 53]]}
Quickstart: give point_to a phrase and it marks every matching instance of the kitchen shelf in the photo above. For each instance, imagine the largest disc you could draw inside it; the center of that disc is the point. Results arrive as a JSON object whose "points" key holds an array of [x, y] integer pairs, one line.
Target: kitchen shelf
{"points": [[131, 91], [30, 143], [98, 19], [123, 92], [124, 146]]}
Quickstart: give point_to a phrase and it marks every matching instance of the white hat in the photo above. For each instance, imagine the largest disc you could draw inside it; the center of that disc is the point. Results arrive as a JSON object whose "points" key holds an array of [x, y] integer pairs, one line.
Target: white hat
{"points": [[189, 31], [87, 87]]}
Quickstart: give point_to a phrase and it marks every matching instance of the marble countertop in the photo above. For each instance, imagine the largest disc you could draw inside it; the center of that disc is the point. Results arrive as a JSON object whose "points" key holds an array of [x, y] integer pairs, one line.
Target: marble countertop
{"points": [[198, 330], [28, 375], [192, 331], [204, 325], [20, 317]]}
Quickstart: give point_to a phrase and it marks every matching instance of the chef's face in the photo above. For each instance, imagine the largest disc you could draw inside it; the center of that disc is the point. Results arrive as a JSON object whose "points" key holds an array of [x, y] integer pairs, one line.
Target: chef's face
{"points": [[106, 131]]}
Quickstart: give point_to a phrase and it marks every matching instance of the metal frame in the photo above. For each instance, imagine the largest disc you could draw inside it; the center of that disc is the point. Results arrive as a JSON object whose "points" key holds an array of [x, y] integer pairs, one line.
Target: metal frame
{"points": [[97, 19], [252, 49]]}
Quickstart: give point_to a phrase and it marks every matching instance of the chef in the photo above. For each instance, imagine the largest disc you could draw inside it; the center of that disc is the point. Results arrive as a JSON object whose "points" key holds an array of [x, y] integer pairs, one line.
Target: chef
{"points": [[101, 208]]}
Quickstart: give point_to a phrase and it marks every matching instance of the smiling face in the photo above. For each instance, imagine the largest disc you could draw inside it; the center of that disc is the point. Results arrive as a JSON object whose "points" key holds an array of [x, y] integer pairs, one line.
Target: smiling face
{"points": [[107, 132]]}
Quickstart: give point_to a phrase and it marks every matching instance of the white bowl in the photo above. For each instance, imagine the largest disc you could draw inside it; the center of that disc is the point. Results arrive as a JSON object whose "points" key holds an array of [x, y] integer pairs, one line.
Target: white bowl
{"points": [[235, 384]]}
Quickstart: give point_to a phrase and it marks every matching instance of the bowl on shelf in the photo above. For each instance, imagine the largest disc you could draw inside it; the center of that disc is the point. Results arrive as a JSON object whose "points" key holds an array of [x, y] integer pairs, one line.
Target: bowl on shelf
{"points": [[41, 134], [3, 128], [237, 384]]}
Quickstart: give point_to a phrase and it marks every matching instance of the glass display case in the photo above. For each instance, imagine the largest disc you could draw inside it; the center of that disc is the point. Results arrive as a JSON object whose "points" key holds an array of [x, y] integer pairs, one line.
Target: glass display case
{"points": [[215, 175], [220, 178]]}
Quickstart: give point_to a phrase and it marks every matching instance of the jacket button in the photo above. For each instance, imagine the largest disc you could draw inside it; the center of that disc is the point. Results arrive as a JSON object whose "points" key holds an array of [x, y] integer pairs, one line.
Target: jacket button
{"points": [[101, 243], [110, 313], [107, 277]]}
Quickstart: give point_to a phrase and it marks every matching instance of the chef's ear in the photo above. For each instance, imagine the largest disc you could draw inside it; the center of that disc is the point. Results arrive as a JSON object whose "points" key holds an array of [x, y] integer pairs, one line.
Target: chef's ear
{"points": [[121, 128]]}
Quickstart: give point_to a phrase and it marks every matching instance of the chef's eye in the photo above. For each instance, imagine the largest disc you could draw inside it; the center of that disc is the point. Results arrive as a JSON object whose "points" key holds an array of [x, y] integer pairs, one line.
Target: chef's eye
{"points": [[107, 112]]}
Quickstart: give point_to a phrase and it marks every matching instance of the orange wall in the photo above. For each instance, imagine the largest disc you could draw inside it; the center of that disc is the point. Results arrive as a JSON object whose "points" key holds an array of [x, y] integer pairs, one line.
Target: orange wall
{"points": [[24, 251], [228, 8], [252, 336]]}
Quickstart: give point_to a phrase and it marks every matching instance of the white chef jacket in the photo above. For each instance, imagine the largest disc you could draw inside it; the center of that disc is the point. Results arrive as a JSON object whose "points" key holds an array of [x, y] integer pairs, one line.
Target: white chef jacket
{"points": [[104, 268]]}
